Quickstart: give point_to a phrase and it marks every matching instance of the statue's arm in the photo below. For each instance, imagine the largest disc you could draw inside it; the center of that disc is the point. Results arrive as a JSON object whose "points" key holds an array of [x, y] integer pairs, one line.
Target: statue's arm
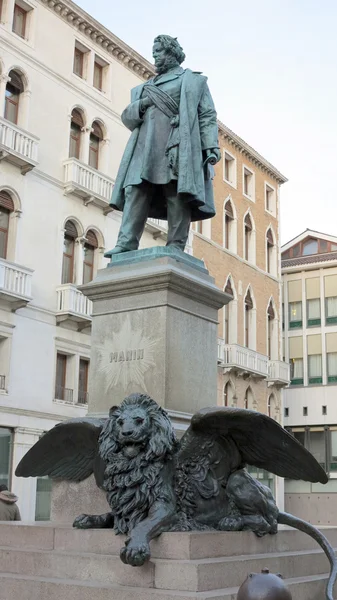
{"points": [[208, 121], [132, 116]]}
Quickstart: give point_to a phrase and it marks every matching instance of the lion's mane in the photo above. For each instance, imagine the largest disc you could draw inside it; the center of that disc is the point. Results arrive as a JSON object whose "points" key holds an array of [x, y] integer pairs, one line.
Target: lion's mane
{"points": [[134, 484]]}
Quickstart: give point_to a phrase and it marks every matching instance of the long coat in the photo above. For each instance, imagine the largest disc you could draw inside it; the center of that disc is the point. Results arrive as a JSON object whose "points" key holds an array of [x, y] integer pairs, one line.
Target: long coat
{"points": [[198, 131]]}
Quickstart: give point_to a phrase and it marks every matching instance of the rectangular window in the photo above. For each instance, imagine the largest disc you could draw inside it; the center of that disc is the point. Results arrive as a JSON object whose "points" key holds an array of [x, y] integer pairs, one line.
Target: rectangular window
{"points": [[248, 183], [333, 451], [229, 168], [98, 76], [5, 455], [317, 446], [331, 310], [314, 312], [305, 411], [332, 367], [78, 62], [286, 412], [324, 410], [296, 371], [295, 315], [270, 199], [83, 381], [19, 21], [315, 368], [61, 391]]}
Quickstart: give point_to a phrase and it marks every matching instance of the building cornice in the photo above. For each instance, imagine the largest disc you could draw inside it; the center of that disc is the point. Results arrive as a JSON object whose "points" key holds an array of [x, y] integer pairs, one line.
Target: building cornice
{"points": [[239, 144], [309, 267], [97, 33]]}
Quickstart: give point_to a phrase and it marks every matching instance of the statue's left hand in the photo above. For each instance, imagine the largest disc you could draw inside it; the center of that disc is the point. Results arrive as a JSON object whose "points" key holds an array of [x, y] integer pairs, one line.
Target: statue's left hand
{"points": [[216, 152], [135, 552]]}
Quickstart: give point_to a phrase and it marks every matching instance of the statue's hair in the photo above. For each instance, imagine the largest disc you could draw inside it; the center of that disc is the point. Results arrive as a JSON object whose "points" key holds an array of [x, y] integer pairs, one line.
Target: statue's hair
{"points": [[172, 47], [134, 484]]}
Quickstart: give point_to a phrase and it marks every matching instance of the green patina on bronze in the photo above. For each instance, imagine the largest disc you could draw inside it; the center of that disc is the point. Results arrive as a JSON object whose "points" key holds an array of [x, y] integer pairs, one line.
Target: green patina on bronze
{"points": [[166, 170]]}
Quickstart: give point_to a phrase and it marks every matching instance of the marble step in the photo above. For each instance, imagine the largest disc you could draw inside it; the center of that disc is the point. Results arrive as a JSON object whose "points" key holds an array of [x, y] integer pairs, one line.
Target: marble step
{"points": [[184, 546], [198, 575], [13, 587]]}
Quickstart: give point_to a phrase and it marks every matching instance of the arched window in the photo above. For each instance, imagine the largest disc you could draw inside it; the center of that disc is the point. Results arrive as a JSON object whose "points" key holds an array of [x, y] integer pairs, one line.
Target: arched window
{"points": [[228, 226], [271, 258], [70, 236], [227, 313], [89, 255], [228, 394], [270, 324], [248, 237], [14, 89], [271, 406], [249, 399], [6, 207], [248, 319], [76, 127], [96, 137]]}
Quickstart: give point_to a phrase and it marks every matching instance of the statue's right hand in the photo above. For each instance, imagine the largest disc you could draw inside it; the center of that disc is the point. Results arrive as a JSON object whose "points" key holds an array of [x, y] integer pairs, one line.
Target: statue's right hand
{"points": [[145, 103]]}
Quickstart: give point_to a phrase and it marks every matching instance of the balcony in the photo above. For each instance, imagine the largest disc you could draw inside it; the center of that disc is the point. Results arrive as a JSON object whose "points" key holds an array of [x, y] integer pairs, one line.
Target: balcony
{"points": [[278, 373], [87, 183], [15, 284], [18, 146], [73, 306], [83, 397], [242, 360], [63, 394]]}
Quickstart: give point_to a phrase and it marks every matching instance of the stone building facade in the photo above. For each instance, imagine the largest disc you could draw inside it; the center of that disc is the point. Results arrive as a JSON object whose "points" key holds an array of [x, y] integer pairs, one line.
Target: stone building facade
{"points": [[309, 273]]}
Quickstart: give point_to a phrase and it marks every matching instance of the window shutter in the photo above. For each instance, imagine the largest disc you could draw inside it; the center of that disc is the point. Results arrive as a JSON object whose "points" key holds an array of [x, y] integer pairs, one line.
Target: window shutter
{"points": [[229, 210], [6, 201], [248, 300], [91, 239], [16, 81], [97, 130], [248, 222], [77, 118], [70, 229]]}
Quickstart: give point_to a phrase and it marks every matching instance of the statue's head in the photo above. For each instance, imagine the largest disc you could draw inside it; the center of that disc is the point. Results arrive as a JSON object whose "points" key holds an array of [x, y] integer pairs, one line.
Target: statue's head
{"points": [[167, 53], [138, 425]]}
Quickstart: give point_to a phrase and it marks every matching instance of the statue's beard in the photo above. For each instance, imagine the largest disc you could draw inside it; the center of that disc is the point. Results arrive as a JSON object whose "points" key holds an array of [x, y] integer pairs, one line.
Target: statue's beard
{"points": [[164, 65]]}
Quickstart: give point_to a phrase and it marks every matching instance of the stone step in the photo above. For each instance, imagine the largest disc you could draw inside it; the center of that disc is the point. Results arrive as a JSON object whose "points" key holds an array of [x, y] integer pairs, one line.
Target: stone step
{"points": [[166, 574], [183, 546], [41, 588]]}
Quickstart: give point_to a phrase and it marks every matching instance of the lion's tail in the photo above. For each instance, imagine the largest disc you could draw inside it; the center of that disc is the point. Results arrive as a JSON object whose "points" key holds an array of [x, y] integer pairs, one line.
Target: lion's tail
{"points": [[287, 519]]}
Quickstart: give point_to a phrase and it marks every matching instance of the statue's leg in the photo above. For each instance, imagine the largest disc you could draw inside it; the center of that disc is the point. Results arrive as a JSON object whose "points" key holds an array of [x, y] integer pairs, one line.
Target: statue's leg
{"points": [[94, 521], [135, 212], [178, 217]]}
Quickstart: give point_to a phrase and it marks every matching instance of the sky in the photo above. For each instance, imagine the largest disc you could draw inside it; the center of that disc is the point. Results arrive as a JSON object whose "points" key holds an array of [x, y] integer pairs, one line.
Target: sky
{"points": [[272, 71]]}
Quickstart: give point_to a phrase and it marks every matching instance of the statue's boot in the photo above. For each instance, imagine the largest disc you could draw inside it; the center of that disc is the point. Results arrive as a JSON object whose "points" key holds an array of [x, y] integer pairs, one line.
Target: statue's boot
{"points": [[116, 250]]}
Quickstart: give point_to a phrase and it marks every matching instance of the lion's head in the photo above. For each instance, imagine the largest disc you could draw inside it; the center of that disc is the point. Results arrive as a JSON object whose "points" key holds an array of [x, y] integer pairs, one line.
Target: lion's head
{"points": [[138, 425]]}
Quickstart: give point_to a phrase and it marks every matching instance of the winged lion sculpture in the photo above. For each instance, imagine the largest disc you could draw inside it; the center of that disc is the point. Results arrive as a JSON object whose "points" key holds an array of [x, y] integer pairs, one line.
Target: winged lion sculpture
{"points": [[155, 483]]}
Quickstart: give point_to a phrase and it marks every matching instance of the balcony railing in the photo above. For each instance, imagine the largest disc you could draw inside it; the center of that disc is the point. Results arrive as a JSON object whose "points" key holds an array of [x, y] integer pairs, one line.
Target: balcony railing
{"points": [[15, 283], [83, 397], [72, 304], [2, 382], [18, 146], [64, 394], [278, 372], [86, 182], [233, 356]]}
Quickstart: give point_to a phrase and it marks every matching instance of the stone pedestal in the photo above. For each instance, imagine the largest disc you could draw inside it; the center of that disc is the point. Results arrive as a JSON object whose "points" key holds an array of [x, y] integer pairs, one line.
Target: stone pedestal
{"points": [[154, 330]]}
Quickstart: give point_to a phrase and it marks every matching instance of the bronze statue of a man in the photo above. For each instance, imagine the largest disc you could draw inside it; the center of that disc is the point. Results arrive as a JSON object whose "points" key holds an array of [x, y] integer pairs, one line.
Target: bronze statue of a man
{"points": [[165, 171]]}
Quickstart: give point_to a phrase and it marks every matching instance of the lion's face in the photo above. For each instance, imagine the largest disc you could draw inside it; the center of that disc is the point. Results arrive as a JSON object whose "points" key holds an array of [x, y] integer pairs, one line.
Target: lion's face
{"points": [[132, 429]]}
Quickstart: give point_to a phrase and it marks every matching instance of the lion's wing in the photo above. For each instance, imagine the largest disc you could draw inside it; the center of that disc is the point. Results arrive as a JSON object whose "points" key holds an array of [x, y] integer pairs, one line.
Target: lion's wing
{"points": [[68, 451], [260, 440]]}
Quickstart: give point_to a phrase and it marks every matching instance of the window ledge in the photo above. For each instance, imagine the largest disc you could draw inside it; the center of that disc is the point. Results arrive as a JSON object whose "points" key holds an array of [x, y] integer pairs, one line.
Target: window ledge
{"points": [[271, 213], [233, 185], [248, 197]]}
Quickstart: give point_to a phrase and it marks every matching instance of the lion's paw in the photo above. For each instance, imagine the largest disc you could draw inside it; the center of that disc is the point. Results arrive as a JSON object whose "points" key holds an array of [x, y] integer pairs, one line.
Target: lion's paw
{"points": [[231, 524], [85, 522], [135, 554]]}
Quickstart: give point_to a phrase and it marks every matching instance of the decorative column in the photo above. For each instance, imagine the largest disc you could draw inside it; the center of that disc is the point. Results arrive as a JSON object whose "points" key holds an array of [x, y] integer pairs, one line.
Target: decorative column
{"points": [[79, 258], [25, 489], [4, 79]]}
